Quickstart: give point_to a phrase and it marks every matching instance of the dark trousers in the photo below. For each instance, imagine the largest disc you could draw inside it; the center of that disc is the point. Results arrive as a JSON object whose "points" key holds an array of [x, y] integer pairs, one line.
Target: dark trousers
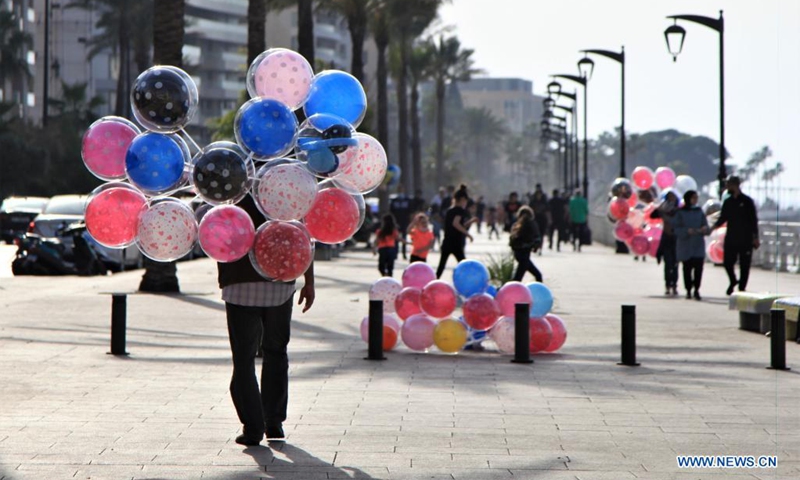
{"points": [[556, 228], [413, 258], [577, 234], [493, 228], [524, 264], [668, 246], [745, 255], [386, 257], [693, 273], [447, 250], [246, 327]]}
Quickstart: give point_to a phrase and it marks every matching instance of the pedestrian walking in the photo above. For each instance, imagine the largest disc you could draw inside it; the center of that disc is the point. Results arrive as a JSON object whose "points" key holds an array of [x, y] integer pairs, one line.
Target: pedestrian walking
{"points": [[690, 228], [491, 222], [557, 208], [667, 245], [386, 245], [259, 312], [456, 224], [400, 206], [739, 213], [421, 238], [525, 238], [510, 208], [578, 214], [541, 210], [480, 211]]}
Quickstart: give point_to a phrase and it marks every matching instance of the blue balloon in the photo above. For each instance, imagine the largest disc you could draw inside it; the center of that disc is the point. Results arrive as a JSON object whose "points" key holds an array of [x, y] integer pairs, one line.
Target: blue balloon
{"points": [[265, 127], [322, 161], [337, 93], [491, 290], [470, 277], [542, 299], [156, 162], [392, 178]]}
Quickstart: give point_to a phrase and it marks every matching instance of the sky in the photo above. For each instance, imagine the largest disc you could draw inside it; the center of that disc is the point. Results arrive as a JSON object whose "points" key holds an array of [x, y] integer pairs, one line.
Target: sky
{"points": [[535, 39]]}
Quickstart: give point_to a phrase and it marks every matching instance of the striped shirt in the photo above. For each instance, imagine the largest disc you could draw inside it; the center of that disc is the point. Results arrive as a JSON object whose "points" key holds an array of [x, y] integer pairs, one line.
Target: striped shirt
{"points": [[258, 294]]}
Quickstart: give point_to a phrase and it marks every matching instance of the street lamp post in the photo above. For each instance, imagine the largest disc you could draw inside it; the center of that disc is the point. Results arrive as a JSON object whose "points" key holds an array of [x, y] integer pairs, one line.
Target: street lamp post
{"points": [[582, 81], [571, 153], [558, 130], [554, 88], [674, 36], [618, 57], [549, 134]]}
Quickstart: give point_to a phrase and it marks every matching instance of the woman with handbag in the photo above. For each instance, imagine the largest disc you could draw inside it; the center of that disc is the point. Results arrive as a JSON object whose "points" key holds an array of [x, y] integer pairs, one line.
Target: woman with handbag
{"points": [[525, 237]]}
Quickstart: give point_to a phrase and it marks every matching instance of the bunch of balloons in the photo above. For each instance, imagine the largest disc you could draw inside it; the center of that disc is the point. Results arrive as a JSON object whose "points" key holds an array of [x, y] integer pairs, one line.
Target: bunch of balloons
{"points": [[632, 202], [307, 179], [421, 310]]}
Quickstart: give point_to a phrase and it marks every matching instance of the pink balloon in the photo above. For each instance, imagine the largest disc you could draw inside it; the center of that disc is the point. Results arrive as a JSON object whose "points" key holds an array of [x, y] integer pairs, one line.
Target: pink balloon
{"points": [[636, 218], [418, 275], [619, 208], [481, 312], [623, 231], [334, 216], [417, 332], [105, 145], [559, 329], [502, 333], [407, 302], [283, 75], [639, 244], [226, 233], [385, 289], [363, 166], [665, 177], [285, 191], [642, 177], [541, 334], [716, 251], [633, 200], [510, 294], [653, 248], [653, 233], [167, 230], [438, 299], [112, 214], [282, 251]]}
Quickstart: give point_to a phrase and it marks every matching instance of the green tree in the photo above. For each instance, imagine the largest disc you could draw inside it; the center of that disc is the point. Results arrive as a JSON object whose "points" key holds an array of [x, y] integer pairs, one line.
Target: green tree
{"points": [[451, 64], [14, 45], [419, 69], [379, 26]]}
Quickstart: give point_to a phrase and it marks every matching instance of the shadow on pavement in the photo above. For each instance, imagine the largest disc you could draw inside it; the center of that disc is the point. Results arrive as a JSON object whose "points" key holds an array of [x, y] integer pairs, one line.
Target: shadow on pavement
{"points": [[293, 463]]}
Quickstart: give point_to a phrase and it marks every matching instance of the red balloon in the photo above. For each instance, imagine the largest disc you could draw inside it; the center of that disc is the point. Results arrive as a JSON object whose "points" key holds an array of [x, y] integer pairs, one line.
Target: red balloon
{"points": [[481, 312], [407, 302], [633, 200], [511, 294], [653, 250], [282, 251], [640, 244], [334, 216], [438, 299], [112, 215], [642, 177], [559, 332], [541, 334], [623, 231], [618, 208], [716, 251], [418, 275], [389, 338]]}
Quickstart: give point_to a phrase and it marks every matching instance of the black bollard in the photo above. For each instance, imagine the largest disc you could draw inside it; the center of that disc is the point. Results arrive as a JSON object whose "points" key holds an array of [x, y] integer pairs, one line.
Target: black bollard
{"points": [[375, 329], [522, 333], [778, 340], [629, 336], [118, 323]]}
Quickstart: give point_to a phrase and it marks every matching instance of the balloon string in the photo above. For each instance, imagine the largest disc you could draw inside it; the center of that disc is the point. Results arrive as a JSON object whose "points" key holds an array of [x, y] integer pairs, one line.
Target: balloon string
{"points": [[172, 192], [191, 140]]}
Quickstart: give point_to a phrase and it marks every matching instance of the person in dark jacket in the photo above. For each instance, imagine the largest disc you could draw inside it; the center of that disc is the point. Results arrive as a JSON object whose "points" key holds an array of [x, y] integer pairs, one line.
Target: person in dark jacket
{"points": [[557, 207], [739, 212], [690, 228], [259, 312], [456, 225], [525, 237], [667, 246], [541, 210]]}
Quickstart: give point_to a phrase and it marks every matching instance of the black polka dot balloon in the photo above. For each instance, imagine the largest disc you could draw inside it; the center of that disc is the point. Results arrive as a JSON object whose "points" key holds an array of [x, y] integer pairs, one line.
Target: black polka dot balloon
{"points": [[164, 99], [337, 131], [221, 175]]}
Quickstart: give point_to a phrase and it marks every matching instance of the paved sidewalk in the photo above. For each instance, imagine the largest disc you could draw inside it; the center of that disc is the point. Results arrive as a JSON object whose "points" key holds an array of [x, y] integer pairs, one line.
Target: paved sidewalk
{"points": [[68, 410]]}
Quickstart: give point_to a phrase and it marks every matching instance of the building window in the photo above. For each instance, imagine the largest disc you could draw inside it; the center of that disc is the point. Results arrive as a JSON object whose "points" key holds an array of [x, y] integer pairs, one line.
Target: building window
{"points": [[31, 100], [31, 15], [31, 57]]}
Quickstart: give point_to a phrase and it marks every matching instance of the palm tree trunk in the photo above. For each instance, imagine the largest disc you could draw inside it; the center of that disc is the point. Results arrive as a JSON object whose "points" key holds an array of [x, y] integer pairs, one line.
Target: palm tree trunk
{"points": [[122, 71], [256, 28], [383, 115], [416, 149], [305, 30], [440, 90], [357, 24], [402, 117], [168, 31]]}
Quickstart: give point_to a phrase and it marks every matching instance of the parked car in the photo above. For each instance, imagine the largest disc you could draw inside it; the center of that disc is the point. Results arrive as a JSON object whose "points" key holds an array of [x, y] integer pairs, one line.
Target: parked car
{"points": [[63, 210], [16, 213]]}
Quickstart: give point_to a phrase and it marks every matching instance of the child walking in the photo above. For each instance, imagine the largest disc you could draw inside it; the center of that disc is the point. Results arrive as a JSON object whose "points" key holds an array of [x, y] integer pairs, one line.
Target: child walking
{"points": [[386, 245], [525, 236], [421, 237]]}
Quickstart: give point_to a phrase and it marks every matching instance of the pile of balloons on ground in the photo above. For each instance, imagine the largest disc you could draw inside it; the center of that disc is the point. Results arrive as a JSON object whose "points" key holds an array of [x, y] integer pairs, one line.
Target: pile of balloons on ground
{"points": [[307, 179], [633, 201], [421, 311]]}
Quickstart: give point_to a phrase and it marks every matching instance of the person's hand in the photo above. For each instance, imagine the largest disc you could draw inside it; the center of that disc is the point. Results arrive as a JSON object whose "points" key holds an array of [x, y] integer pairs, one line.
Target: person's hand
{"points": [[703, 230], [308, 294], [756, 243], [469, 237], [690, 231]]}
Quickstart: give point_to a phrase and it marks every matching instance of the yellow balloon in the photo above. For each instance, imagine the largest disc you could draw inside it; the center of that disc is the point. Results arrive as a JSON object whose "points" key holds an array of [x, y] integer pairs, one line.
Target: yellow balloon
{"points": [[450, 335]]}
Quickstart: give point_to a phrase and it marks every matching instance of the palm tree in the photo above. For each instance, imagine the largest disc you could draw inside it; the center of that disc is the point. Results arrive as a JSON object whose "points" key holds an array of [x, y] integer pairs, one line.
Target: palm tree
{"points": [[451, 64], [357, 14], [13, 46], [419, 67], [305, 29], [256, 28], [379, 26]]}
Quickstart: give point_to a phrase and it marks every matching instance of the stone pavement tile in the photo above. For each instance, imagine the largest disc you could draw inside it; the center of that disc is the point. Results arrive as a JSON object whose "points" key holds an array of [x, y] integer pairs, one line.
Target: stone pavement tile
{"points": [[388, 460], [37, 472]]}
